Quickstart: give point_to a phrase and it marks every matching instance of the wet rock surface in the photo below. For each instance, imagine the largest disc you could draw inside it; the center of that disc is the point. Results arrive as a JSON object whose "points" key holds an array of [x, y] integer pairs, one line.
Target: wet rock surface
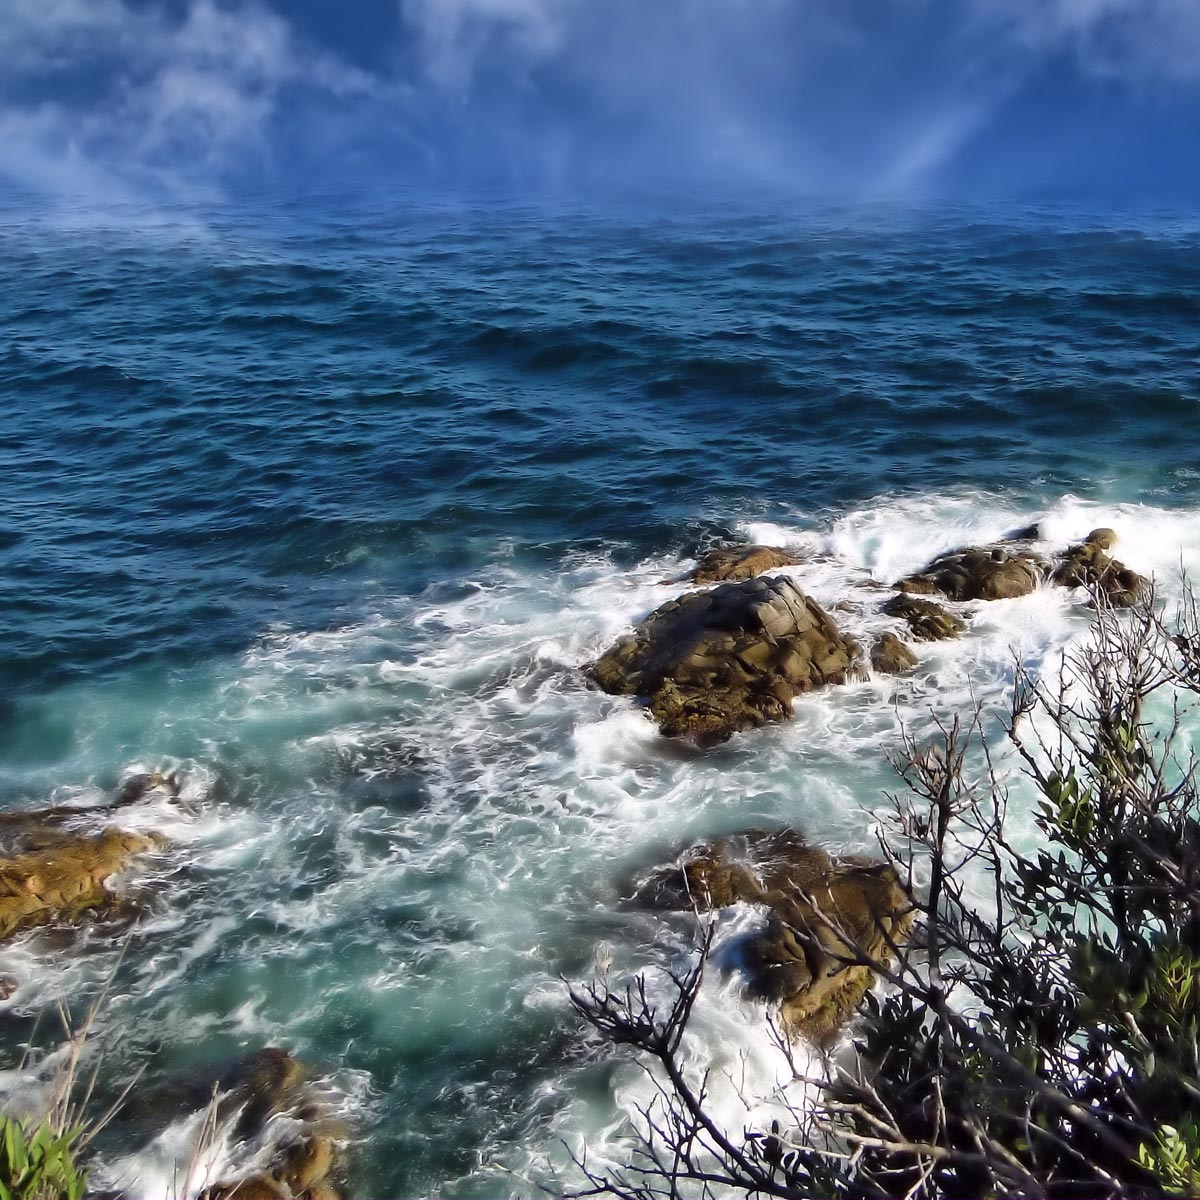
{"points": [[987, 573], [65, 876], [740, 562], [818, 907], [56, 863], [711, 663], [1089, 565], [929, 622], [890, 656], [276, 1120]]}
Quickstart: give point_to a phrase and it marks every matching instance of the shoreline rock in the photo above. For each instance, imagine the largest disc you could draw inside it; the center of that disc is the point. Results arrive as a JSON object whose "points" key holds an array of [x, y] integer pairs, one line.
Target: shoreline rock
{"points": [[978, 573], [55, 863], [1088, 565], [728, 563], [816, 905], [928, 621], [890, 656], [65, 877], [715, 662]]}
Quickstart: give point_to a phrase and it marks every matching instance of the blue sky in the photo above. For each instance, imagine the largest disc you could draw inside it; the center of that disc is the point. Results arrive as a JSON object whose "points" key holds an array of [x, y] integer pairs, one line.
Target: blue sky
{"points": [[194, 100]]}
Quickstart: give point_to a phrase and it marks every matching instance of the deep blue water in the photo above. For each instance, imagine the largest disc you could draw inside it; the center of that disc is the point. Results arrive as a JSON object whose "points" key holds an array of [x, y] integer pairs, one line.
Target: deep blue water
{"points": [[411, 431], [205, 434]]}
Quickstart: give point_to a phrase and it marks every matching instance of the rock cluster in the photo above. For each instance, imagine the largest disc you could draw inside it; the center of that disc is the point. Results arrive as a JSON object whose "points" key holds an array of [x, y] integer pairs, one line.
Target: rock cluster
{"points": [[1089, 565], [270, 1115], [740, 562], [711, 663], [821, 910]]}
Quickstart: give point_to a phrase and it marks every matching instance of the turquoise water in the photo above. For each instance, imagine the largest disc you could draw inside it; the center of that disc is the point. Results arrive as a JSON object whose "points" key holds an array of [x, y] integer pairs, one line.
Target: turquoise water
{"points": [[324, 508]]}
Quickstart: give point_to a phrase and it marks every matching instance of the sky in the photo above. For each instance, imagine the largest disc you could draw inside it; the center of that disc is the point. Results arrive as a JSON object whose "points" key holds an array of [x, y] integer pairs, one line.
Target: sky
{"points": [[192, 101]]}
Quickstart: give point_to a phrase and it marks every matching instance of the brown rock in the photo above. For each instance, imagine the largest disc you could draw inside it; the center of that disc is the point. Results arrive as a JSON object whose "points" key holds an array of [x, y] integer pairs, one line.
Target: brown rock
{"points": [[890, 656], [928, 621], [990, 573], [266, 1084], [64, 876], [819, 907], [740, 562], [1105, 538], [711, 663], [1089, 566]]}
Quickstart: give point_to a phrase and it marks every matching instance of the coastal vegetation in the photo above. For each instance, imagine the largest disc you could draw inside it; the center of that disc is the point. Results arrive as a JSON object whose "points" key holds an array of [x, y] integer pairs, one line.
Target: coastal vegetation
{"points": [[1036, 1033]]}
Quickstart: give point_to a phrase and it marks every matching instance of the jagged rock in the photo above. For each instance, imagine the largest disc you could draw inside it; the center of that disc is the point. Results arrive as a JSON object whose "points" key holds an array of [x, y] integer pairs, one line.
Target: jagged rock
{"points": [[818, 906], [890, 656], [1088, 565], [740, 562], [928, 621], [714, 662], [988, 573], [64, 876], [265, 1085]]}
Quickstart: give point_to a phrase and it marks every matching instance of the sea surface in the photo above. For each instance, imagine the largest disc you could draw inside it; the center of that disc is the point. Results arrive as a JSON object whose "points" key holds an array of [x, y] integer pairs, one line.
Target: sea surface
{"points": [[322, 506]]}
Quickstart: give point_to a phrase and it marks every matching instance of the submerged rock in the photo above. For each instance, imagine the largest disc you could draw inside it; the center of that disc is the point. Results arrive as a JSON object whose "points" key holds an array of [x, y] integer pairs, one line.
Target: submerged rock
{"points": [[989, 573], [820, 910], [740, 562], [928, 621], [1089, 565], [712, 663], [890, 656]]}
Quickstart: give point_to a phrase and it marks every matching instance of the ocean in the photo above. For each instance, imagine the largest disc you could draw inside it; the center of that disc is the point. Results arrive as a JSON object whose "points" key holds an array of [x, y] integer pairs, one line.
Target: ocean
{"points": [[323, 506]]}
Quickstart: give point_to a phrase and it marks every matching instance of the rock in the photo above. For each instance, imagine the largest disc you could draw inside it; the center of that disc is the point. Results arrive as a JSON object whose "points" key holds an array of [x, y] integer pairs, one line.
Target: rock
{"points": [[25, 830], [928, 621], [1088, 565], [1027, 533], [64, 876], [740, 562], [714, 662], [817, 905], [265, 1085], [990, 573], [890, 656]]}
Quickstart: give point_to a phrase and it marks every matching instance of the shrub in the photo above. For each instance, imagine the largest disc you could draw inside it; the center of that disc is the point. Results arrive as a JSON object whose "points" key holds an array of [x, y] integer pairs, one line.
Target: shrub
{"points": [[1045, 1043], [39, 1166]]}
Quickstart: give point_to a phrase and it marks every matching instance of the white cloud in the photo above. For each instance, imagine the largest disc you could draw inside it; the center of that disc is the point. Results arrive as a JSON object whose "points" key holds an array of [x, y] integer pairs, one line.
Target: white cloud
{"points": [[171, 102]]}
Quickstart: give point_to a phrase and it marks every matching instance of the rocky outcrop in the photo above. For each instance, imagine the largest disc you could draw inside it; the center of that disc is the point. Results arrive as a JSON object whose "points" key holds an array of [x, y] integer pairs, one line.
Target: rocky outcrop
{"points": [[714, 662], [989, 573], [928, 621], [820, 910], [1089, 565], [890, 656], [740, 562], [56, 863], [269, 1084], [65, 876]]}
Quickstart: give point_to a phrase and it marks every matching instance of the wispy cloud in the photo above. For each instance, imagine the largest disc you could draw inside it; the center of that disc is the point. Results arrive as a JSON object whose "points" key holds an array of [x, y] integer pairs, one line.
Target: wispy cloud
{"points": [[113, 98], [155, 101]]}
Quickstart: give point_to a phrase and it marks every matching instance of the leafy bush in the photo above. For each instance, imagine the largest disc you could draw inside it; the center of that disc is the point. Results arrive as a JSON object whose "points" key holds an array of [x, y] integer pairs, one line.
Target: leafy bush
{"points": [[38, 1166]]}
